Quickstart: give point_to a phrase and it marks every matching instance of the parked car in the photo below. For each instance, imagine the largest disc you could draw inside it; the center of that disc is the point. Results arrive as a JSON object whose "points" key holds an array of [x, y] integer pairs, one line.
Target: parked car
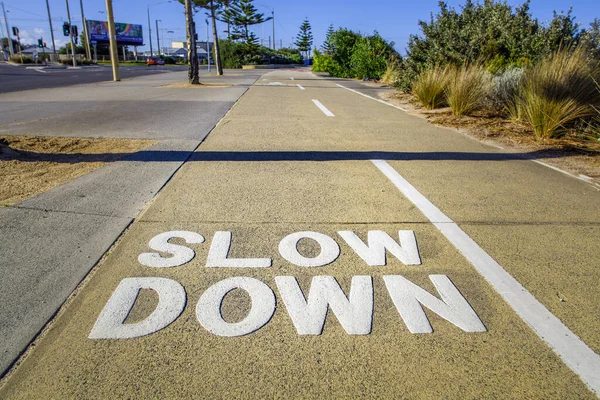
{"points": [[155, 61]]}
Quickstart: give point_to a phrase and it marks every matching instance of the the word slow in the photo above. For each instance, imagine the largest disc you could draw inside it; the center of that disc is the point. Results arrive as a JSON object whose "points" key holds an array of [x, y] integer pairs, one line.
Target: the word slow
{"points": [[308, 313]]}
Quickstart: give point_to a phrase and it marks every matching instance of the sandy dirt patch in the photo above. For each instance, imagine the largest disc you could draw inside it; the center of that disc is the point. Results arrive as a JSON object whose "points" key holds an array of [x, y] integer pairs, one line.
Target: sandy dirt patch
{"points": [[32, 165]]}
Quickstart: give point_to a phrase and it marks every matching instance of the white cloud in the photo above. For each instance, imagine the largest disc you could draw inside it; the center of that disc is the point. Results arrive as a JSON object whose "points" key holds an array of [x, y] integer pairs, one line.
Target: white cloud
{"points": [[39, 31]]}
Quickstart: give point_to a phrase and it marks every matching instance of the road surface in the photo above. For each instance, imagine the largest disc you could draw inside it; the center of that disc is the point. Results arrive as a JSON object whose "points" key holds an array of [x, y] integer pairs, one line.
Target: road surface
{"points": [[320, 244]]}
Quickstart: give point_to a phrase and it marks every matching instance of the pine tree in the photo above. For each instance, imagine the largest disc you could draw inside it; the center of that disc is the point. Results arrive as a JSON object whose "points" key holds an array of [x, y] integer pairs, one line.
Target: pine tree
{"points": [[328, 47], [244, 16], [304, 40], [213, 7], [193, 75]]}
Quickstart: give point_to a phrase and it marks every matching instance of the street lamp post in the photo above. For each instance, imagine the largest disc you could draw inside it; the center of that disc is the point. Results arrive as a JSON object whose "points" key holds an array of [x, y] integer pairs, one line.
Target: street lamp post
{"points": [[207, 46], [157, 37]]}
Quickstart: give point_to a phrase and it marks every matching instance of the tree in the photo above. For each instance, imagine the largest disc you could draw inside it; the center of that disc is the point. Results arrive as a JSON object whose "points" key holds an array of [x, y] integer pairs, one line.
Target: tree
{"points": [[244, 16], [304, 40], [327, 44], [193, 73], [227, 15], [213, 7]]}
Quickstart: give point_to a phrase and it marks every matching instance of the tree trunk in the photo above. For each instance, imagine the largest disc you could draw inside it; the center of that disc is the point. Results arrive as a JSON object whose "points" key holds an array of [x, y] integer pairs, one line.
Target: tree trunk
{"points": [[193, 73], [216, 48]]}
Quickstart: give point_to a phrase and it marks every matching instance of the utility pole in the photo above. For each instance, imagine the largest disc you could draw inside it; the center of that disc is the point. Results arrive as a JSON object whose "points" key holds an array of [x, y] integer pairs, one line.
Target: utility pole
{"points": [[10, 47], [149, 31], [273, 15], [157, 37], [88, 53], [51, 31], [114, 52], [71, 34]]}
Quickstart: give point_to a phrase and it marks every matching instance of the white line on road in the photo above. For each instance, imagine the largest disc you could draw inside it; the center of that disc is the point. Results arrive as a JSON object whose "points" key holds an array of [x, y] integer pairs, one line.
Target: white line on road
{"points": [[300, 86], [323, 108], [292, 78], [593, 184], [572, 350], [372, 98]]}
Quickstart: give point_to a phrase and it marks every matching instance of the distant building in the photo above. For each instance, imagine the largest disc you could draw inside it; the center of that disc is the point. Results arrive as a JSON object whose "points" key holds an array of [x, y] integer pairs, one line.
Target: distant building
{"points": [[29, 52]]}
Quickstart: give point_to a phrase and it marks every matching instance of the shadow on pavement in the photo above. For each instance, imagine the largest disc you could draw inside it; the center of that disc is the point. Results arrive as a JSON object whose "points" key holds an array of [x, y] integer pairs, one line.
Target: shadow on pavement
{"points": [[179, 156]]}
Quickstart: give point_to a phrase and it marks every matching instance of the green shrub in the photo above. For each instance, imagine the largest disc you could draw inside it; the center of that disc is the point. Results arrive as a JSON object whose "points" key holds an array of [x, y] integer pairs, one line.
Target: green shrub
{"points": [[326, 63], [430, 86], [369, 56], [17, 59], [467, 88], [560, 90], [169, 60], [491, 32]]}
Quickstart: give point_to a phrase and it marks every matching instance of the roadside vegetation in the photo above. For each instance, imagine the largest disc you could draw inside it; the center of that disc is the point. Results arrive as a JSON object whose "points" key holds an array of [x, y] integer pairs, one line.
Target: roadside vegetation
{"points": [[490, 60], [348, 54]]}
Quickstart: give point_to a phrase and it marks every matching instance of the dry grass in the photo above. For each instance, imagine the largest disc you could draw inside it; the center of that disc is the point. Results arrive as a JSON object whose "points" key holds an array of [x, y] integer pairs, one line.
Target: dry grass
{"points": [[391, 74], [429, 87], [467, 87], [559, 90]]}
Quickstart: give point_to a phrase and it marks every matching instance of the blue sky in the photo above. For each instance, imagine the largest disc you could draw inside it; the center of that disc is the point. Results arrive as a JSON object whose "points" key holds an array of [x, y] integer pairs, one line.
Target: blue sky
{"points": [[394, 20]]}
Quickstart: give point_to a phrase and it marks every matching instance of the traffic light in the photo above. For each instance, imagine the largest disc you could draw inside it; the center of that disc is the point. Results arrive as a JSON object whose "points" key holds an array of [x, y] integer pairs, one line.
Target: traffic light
{"points": [[15, 31], [45, 44], [75, 39], [66, 29], [74, 31], [40, 43]]}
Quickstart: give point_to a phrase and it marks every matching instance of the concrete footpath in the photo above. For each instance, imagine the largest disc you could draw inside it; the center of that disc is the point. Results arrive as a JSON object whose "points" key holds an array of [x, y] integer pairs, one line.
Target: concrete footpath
{"points": [[51, 241], [319, 244]]}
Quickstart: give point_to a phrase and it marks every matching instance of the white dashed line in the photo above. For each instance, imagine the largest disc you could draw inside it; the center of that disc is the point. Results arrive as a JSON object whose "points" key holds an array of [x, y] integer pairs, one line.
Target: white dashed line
{"points": [[323, 108], [300, 86], [292, 78], [572, 350]]}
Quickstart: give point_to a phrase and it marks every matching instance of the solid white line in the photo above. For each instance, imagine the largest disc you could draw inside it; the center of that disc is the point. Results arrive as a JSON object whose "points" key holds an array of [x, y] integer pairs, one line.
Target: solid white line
{"points": [[580, 177], [292, 78], [595, 185], [323, 108], [572, 350], [300, 86], [372, 98]]}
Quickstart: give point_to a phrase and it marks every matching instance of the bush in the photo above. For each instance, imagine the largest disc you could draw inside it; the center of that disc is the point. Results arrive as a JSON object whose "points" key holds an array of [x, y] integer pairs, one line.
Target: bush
{"points": [[326, 63], [169, 60], [17, 59], [369, 56], [504, 95], [559, 90], [430, 87], [467, 88], [490, 32]]}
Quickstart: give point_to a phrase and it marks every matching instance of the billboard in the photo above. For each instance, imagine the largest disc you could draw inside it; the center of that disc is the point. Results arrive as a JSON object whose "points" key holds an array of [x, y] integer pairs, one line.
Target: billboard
{"points": [[127, 34]]}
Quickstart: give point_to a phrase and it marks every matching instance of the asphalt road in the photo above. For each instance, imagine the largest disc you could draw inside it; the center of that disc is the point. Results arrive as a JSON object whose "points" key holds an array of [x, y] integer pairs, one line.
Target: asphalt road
{"points": [[16, 78], [316, 244]]}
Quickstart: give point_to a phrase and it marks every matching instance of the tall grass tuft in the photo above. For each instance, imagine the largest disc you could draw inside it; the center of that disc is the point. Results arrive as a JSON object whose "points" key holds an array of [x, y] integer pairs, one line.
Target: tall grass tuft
{"points": [[429, 87], [391, 76], [559, 90], [467, 88]]}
